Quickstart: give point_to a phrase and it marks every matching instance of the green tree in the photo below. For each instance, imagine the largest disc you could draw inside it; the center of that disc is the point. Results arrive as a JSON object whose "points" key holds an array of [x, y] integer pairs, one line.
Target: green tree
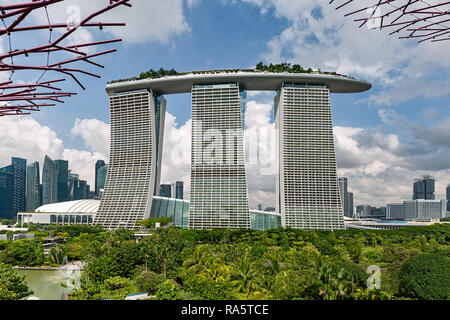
{"points": [[168, 290], [12, 286], [426, 276], [149, 281], [244, 275], [26, 252], [354, 248]]}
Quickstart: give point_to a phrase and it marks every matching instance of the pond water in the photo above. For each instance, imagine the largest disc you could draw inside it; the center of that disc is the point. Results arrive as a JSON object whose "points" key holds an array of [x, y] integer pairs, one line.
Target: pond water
{"points": [[46, 284]]}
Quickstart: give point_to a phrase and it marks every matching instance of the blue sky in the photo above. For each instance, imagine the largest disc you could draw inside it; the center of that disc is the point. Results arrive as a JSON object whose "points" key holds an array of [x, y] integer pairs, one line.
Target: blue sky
{"points": [[397, 131]]}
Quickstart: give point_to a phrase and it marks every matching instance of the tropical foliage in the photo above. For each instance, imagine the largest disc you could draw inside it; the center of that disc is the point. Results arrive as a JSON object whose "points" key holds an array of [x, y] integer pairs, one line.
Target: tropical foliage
{"points": [[175, 263]]}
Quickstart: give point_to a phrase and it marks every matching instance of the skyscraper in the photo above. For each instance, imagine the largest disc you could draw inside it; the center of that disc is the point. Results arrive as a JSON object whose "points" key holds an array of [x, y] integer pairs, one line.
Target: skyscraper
{"points": [[351, 207], [20, 178], [33, 198], [98, 165], [424, 188], [179, 192], [73, 181], [343, 192], [219, 196], [81, 190], [7, 192], [137, 126], [49, 181], [307, 184], [165, 190], [448, 198], [100, 179], [62, 172]]}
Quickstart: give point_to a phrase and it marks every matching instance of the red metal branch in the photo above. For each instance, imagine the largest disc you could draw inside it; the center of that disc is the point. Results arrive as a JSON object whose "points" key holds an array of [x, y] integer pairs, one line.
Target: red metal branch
{"points": [[13, 16], [412, 16]]}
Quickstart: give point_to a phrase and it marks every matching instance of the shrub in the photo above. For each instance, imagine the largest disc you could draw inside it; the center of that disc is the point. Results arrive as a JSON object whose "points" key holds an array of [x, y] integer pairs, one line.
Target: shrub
{"points": [[149, 281], [168, 290], [12, 286], [426, 276], [352, 271]]}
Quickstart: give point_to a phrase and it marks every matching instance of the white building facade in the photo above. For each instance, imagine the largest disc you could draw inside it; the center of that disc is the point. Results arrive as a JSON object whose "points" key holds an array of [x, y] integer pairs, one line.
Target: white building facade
{"points": [[307, 184], [137, 129], [219, 195]]}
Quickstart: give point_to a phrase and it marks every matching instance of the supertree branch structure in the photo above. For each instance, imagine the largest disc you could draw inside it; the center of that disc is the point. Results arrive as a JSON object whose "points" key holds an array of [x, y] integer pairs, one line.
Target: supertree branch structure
{"points": [[20, 99], [411, 19]]}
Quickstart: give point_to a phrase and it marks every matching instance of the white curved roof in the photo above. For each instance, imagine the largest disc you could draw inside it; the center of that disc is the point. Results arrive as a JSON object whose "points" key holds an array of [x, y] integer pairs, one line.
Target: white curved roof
{"points": [[249, 81], [78, 206]]}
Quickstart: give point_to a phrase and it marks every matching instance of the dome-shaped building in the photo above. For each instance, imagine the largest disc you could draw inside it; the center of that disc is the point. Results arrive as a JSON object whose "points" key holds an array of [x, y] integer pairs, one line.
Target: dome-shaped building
{"points": [[64, 213]]}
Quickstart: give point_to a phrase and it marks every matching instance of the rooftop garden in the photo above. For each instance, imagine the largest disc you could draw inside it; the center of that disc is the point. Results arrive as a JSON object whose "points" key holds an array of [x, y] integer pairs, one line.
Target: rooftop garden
{"points": [[260, 67]]}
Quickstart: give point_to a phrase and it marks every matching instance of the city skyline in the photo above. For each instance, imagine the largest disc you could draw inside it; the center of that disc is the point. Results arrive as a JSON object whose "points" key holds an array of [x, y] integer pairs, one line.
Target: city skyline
{"points": [[24, 187], [384, 138]]}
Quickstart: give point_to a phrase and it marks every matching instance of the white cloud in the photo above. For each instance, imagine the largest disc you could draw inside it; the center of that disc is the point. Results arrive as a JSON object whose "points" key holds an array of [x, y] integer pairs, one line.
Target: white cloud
{"points": [[176, 158], [26, 138], [403, 68], [147, 20], [95, 134]]}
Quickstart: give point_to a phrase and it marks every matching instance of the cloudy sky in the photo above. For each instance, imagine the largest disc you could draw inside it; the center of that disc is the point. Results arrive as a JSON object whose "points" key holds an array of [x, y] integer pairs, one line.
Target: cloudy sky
{"points": [[386, 137]]}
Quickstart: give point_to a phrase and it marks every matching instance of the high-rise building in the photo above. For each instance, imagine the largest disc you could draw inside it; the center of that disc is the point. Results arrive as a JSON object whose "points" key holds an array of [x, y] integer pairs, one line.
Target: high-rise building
{"points": [[448, 198], [219, 195], [101, 179], [62, 172], [165, 190], [424, 188], [395, 211], [20, 178], [379, 213], [49, 181], [98, 165], [179, 192], [364, 210], [307, 184], [33, 196], [82, 190], [343, 192], [351, 207], [421, 209], [7, 192], [137, 126], [73, 181]]}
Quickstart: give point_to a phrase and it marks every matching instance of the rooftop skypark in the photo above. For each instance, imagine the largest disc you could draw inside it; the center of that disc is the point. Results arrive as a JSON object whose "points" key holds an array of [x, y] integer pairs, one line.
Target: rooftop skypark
{"points": [[260, 67]]}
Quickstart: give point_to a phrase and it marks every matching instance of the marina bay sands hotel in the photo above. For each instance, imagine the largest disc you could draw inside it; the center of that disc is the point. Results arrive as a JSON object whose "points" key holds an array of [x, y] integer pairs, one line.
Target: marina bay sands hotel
{"points": [[307, 191]]}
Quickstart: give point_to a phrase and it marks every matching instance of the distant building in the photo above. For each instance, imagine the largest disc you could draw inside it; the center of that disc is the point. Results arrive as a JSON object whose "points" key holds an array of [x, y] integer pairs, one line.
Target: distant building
{"points": [[270, 209], [62, 172], [99, 164], [424, 188], [395, 211], [49, 181], [33, 196], [343, 191], [63, 213], [7, 192], [363, 210], [73, 184], [82, 191], [179, 190], [379, 213], [429, 210], [20, 178], [448, 198], [351, 207], [165, 190], [100, 179]]}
